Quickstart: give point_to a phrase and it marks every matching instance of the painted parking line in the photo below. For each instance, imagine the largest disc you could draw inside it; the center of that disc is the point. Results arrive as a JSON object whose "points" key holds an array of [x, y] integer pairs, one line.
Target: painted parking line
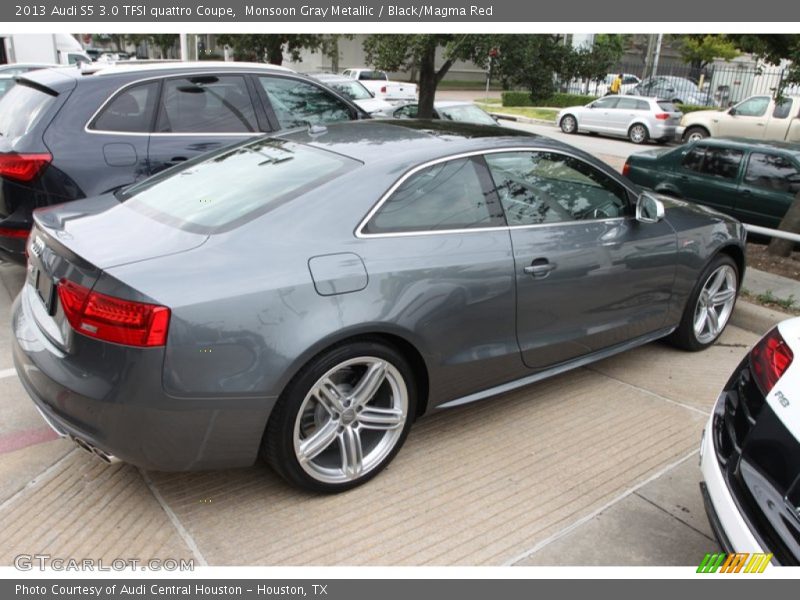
{"points": [[27, 437], [7, 373]]}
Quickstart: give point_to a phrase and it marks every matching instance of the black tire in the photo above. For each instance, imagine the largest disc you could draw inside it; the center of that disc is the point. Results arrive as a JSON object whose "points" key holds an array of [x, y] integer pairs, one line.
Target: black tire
{"points": [[638, 134], [278, 445], [569, 124], [694, 133], [684, 336]]}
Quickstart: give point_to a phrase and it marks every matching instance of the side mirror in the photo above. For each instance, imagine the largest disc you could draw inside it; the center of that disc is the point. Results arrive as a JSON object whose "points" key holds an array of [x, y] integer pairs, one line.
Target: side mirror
{"points": [[591, 105], [732, 111], [649, 209]]}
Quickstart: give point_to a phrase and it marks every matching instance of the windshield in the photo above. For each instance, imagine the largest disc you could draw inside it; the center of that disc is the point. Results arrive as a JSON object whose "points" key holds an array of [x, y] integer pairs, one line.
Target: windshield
{"points": [[233, 186], [352, 89], [467, 113]]}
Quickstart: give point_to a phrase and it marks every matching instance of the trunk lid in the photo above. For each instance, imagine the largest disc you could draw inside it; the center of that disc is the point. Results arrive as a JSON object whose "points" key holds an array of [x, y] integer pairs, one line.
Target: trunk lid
{"points": [[80, 240]]}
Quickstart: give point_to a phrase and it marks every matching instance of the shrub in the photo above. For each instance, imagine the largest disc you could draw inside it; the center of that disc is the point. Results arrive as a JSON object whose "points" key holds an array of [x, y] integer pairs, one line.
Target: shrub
{"points": [[555, 100], [687, 108]]}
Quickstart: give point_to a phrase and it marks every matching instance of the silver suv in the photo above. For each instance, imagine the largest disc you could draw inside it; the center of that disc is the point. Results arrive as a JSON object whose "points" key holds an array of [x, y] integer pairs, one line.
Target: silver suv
{"points": [[636, 117]]}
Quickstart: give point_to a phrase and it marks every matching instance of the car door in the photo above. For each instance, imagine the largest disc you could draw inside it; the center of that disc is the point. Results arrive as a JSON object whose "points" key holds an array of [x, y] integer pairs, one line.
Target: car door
{"points": [[118, 148], [597, 115], [201, 113], [292, 103], [624, 113], [746, 119], [588, 275], [438, 248], [709, 174], [768, 188]]}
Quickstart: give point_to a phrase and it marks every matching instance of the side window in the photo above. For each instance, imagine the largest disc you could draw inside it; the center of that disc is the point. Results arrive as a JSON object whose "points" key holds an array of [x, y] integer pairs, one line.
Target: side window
{"points": [[406, 112], [753, 107], [547, 187], [206, 104], [772, 172], [722, 162], [444, 196], [693, 160], [782, 109], [629, 104], [298, 104], [605, 102], [131, 110]]}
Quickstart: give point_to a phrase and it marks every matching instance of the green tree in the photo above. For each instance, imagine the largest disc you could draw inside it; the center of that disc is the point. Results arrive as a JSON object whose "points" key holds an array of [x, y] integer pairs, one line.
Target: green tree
{"points": [[164, 42], [269, 47], [774, 49], [698, 50], [532, 61], [417, 52]]}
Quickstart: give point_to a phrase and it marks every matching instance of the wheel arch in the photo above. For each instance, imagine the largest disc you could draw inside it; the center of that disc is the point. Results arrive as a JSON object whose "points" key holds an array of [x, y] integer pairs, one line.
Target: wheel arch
{"points": [[697, 126], [737, 254], [399, 340]]}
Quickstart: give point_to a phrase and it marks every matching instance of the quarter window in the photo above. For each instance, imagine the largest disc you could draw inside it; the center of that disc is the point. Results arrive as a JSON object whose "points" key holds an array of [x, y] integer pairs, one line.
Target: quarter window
{"points": [[130, 111], [447, 195], [772, 172], [547, 187], [298, 104], [206, 104]]}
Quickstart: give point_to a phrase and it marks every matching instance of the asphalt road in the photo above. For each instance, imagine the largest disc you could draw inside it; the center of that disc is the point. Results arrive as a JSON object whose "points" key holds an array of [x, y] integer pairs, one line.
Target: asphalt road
{"points": [[594, 144]]}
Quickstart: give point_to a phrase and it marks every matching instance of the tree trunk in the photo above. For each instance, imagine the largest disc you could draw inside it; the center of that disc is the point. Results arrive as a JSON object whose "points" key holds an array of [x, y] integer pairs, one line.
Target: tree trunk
{"points": [[791, 223], [275, 52], [427, 82]]}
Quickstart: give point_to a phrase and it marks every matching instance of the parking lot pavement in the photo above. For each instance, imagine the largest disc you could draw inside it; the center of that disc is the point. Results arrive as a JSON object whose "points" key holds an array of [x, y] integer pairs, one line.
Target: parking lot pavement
{"points": [[602, 457]]}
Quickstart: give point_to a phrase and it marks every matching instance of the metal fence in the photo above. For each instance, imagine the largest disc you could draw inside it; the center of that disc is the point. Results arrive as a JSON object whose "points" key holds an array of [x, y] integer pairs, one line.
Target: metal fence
{"points": [[718, 85]]}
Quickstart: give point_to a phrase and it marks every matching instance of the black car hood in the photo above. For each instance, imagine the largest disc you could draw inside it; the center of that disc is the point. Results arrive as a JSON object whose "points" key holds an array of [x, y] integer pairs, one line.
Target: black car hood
{"points": [[108, 234]]}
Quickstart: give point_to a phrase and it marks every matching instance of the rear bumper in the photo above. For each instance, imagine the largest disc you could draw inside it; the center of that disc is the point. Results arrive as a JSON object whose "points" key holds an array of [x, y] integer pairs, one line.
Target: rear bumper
{"points": [[679, 132], [662, 132], [120, 409]]}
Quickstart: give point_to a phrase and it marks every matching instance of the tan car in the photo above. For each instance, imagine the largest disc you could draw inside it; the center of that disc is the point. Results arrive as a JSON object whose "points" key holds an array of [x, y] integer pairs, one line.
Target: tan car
{"points": [[757, 117]]}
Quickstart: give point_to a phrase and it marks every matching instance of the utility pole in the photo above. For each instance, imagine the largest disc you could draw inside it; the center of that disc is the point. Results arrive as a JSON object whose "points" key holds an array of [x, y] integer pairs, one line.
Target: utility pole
{"points": [[657, 54]]}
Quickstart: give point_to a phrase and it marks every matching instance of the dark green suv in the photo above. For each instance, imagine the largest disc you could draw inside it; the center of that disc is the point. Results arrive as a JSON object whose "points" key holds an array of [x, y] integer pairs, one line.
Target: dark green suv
{"points": [[747, 179]]}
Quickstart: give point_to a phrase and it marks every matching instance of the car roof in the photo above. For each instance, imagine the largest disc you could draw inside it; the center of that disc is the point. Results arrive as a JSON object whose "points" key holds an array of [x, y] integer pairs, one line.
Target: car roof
{"points": [[415, 140], [750, 144], [145, 66]]}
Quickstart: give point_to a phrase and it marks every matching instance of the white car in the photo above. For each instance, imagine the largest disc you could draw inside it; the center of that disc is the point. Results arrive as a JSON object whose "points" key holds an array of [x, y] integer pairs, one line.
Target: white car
{"points": [[354, 90], [378, 83], [750, 453], [638, 118]]}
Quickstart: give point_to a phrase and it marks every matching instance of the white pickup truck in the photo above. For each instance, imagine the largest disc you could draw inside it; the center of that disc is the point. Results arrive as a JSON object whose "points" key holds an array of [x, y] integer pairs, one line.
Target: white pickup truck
{"points": [[378, 83], [757, 117]]}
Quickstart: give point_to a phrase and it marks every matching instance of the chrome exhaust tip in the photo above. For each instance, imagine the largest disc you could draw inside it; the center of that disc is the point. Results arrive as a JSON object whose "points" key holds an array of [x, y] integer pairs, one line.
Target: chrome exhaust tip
{"points": [[107, 458]]}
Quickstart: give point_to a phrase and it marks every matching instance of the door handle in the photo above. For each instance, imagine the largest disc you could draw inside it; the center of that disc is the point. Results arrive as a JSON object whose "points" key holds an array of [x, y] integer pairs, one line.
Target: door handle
{"points": [[539, 268], [177, 159]]}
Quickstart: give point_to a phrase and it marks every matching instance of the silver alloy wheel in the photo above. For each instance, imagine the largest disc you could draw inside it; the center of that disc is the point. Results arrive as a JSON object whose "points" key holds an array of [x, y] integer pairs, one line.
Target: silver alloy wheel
{"points": [[569, 124], [715, 304], [638, 134], [695, 136], [351, 419]]}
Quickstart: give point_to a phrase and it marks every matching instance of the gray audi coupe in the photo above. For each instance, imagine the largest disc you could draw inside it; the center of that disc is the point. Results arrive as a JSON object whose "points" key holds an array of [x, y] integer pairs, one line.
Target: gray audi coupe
{"points": [[306, 297]]}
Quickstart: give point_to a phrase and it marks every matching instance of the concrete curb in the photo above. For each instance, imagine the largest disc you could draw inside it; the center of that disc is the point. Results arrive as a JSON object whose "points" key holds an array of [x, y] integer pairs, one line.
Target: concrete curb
{"points": [[756, 318], [519, 119]]}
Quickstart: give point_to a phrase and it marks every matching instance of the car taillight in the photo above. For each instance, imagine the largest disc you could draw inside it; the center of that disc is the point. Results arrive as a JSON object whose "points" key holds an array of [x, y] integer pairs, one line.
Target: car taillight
{"points": [[769, 359], [9, 232], [662, 116], [626, 168], [22, 167], [113, 319], [383, 89]]}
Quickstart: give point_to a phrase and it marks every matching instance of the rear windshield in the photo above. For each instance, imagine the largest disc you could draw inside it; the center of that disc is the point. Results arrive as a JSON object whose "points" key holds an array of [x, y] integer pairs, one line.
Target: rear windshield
{"points": [[20, 110], [667, 106], [224, 190], [372, 75]]}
